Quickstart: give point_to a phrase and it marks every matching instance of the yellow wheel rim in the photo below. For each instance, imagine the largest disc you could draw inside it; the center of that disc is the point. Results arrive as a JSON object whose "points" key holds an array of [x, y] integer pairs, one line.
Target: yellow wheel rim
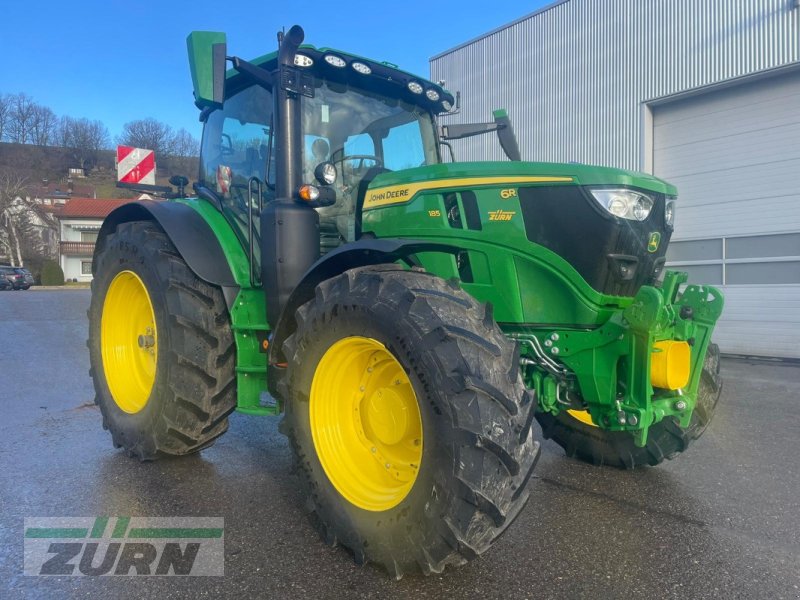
{"points": [[129, 342], [365, 423], [583, 416]]}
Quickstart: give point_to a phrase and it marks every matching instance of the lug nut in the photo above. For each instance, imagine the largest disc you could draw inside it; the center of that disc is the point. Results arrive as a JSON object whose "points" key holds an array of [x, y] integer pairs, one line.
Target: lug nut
{"points": [[554, 337], [554, 350], [680, 405], [146, 341], [632, 419], [548, 343]]}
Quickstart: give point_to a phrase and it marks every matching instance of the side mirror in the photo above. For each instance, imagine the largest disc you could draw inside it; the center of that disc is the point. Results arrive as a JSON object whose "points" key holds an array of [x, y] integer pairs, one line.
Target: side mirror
{"points": [[505, 134], [180, 182], [207, 55]]}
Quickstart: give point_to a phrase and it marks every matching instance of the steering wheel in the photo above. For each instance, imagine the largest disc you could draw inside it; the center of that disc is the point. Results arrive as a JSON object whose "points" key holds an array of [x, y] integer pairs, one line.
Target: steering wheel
{"points": [[361, 158], [356, 170]]}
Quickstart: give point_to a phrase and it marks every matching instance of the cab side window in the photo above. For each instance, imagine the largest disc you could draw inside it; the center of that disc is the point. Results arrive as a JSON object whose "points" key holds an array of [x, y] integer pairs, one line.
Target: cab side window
{"points": [[235, 147]]}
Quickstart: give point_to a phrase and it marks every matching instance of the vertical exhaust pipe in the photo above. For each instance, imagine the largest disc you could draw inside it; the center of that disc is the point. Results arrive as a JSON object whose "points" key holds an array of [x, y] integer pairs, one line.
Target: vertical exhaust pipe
{"points": [[289, 229]]}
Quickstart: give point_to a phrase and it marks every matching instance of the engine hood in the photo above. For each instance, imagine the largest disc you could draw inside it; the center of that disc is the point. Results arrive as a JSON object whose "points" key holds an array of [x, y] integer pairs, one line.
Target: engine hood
{"points": [[489, 172]]}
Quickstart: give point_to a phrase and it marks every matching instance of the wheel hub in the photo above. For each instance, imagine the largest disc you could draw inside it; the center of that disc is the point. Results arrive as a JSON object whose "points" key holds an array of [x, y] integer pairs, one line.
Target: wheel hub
{"points": [[129, 342], [365, 423], [386, 416]]}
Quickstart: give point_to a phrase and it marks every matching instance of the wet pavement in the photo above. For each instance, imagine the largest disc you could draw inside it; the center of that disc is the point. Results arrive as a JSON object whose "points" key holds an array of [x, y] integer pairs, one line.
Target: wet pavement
{"points": [[721, 521]]}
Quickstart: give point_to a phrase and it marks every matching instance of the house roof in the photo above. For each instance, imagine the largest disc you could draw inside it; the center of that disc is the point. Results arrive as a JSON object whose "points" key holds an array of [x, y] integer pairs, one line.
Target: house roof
{"points": [[60, 190], [90, 207]]}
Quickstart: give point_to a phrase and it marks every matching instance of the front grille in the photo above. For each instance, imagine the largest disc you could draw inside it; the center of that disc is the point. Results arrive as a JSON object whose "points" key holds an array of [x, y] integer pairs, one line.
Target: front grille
{"points": [[609, 253]]}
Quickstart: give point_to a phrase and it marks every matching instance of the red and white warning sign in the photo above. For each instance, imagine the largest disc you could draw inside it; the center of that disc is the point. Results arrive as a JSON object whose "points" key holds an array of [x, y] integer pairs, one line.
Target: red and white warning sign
{"points": [[136, 165]]}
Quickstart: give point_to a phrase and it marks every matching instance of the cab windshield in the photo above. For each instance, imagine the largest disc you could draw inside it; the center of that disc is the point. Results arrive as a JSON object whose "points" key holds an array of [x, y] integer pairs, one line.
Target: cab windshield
{"points": [[362, 134]]}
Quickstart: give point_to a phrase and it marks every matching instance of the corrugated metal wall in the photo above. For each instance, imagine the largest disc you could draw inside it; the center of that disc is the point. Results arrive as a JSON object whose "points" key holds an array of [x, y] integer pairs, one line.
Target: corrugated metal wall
{"points": [[573, 76]]}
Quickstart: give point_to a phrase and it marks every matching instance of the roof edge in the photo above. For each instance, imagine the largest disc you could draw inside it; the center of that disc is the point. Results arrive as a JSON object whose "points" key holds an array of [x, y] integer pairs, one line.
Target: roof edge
{"points": [[538, 11]]}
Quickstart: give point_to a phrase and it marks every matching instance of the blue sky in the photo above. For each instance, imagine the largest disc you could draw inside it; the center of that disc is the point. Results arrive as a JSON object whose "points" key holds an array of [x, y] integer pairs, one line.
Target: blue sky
{"points": [[122, 60]]}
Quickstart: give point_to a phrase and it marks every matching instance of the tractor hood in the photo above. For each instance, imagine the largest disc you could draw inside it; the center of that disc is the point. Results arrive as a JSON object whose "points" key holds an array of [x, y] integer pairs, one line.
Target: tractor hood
{"points": [[570, 210], [512, 173]]}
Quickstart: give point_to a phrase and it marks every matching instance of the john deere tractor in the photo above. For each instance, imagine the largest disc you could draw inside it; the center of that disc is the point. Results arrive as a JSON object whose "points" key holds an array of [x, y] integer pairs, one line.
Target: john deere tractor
{"points": [[409, 315]]}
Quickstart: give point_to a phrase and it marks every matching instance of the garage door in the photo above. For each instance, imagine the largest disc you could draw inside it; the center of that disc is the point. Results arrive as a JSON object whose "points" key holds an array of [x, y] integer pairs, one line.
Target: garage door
{"points": [[734, 154]]}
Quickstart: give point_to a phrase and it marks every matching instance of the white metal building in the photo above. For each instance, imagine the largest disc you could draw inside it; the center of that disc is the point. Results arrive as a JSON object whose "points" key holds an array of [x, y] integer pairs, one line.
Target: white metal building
{"points": [[703, 93]]}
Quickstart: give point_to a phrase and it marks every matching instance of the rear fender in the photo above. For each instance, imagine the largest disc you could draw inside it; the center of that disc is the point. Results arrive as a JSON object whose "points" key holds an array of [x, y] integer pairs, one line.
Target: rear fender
{"points": [[193, 237]]}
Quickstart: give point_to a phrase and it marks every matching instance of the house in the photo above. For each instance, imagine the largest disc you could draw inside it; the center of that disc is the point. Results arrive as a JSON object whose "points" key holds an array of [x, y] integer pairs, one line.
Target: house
{"points": [[79, 223], [52, 194]]}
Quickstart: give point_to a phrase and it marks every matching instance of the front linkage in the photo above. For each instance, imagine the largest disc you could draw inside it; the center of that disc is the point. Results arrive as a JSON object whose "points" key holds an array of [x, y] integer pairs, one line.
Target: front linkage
{"points": [[642, 365]]}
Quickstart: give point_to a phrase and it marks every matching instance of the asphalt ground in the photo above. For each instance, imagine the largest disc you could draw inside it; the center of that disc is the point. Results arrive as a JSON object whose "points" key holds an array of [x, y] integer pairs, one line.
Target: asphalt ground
{"points": [[720, 521]]}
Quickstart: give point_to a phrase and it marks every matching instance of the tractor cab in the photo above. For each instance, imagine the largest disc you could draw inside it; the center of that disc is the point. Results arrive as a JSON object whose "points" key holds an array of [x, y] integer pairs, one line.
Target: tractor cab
{"points": [[355, 119]]}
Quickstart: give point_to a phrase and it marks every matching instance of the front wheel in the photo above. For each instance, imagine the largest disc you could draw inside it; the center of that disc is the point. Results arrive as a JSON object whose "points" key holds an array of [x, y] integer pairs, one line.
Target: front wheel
{"points": [[581, 439], [408, 417]]}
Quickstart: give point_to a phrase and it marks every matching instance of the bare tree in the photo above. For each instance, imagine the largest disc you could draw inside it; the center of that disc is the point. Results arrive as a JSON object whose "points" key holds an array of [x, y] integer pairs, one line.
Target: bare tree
{"points": [[26, 227], [43, 124], [185, 144], [151, 134], [186, 149], [13, 221], [5, 111], [21, 118], [84, 138]]}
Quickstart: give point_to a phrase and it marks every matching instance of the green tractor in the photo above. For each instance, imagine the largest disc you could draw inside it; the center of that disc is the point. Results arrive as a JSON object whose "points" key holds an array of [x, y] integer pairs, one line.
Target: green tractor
{"points": [[410, 316]]}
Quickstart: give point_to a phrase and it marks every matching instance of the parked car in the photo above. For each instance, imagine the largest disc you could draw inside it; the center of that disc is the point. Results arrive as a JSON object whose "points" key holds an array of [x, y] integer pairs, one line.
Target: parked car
{"points": [[16, 278], [5, 284], [27, 275]]}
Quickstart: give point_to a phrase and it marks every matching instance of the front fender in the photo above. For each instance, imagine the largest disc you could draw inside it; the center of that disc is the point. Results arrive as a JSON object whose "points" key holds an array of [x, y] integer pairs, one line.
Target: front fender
{"points": [[361, 253]]}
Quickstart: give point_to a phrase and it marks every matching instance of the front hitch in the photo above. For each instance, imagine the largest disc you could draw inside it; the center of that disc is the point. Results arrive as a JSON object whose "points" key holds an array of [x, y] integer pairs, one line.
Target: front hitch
{"points": [[641, 366]]}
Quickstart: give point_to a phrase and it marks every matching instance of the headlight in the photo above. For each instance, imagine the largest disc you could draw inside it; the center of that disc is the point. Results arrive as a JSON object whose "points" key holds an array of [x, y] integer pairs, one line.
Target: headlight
{"points": [[624, 203], [447, 105], [325, 173], [669, 213], [432, 95], [415, 87]]}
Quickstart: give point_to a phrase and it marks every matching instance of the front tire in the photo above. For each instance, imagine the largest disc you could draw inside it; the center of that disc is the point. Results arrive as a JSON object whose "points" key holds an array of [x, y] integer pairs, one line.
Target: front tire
{"points": [[430, 423], [665, 440], [161, 347]]}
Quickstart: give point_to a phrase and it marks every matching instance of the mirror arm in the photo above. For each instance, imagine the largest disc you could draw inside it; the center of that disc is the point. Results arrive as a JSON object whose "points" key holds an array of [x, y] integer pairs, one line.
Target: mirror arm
{"points": [[256, 73]]}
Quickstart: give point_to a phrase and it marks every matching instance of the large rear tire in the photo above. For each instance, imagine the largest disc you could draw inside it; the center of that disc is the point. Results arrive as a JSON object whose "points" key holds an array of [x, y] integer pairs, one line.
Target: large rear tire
{"points": [[161, 347], [408, 393], [665, 439]]}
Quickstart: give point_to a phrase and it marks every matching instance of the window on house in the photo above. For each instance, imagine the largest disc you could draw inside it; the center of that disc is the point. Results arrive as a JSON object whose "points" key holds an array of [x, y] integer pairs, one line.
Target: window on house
{"points": [[86, 267], [89, 236]]}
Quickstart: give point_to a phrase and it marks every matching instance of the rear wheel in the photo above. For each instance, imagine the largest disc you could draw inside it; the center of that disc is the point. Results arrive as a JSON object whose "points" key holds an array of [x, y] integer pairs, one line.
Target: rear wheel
{"points": [[581, 439], [409, 420], [160, 345]]}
